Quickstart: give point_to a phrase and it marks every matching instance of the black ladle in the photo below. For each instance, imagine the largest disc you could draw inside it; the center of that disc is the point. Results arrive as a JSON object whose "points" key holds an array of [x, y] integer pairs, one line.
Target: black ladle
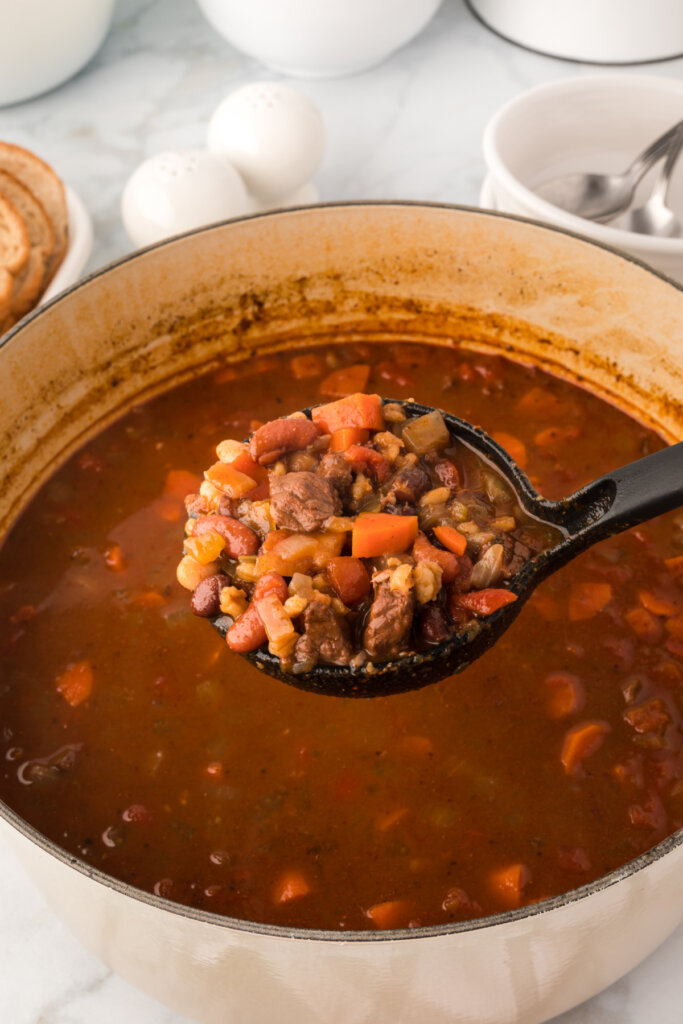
{"points": [[611, 504]]}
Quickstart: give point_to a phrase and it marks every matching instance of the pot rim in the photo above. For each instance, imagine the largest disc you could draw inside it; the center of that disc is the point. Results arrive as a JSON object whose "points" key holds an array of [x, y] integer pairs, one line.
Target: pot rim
{"points": [[28, 831]]}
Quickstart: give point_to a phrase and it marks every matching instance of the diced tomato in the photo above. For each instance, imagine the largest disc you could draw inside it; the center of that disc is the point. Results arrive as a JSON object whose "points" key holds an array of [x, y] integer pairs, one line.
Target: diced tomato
{"points": [[348, 380], [485, 602], [76, 682], [382, 534], [370, 460], [587, 599], [359, 410], [580, 742], [349, 578]]}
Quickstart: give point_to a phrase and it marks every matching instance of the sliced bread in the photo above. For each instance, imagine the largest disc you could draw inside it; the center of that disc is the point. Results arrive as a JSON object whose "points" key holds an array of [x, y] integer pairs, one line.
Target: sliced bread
{"points": [[39, 177], [29, 283], [14, 243]]}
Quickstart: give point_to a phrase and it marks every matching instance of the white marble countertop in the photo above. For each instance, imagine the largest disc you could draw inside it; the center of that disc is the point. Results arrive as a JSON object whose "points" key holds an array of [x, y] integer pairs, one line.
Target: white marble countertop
{"points": [[408, 129]]}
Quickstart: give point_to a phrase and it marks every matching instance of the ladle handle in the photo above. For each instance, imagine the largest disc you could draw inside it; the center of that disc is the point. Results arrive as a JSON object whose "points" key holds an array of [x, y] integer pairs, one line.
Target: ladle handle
{"points": [[628, 496]]}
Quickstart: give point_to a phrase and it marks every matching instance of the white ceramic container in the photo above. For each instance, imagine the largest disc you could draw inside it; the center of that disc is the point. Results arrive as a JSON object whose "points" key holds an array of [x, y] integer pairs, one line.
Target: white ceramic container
{"points": [[602, 31], [376, 270], [593, 123], [43, 44], [319, 38]]}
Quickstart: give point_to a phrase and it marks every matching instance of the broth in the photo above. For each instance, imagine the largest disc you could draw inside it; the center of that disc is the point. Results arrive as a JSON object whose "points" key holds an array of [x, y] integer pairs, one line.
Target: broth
{"points": [[136, 740]]}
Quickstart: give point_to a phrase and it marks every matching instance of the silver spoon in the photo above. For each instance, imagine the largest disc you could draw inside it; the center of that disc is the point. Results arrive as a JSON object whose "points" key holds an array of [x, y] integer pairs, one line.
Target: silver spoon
{"points": [[611, 504], [602, 196], [654, 217]]}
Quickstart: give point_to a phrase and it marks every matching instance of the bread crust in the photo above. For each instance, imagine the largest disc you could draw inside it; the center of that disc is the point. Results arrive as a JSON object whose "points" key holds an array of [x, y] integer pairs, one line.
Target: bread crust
{"points": [[48, 188]]}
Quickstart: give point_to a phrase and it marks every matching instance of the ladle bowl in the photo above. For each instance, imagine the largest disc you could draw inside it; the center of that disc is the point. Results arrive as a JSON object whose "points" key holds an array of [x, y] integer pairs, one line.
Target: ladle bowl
{"points": [[607, 506]]}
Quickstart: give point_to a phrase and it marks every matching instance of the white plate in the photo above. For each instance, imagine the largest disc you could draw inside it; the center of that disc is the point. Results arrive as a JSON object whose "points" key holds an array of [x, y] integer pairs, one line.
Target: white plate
{"points": [[78, 250]]}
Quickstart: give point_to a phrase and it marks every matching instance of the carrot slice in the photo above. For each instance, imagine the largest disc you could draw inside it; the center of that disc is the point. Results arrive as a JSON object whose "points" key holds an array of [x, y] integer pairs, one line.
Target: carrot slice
{"points": [[451, 538], [231, 481], [587, 599], [657, 605], [346, 381], [291, 886], [508, 884], [308, 365], [580, 742], [675, 565], [565, 694], [76, 682], [390, 914], [551, 436], [513, 446], [346, 438], [675, 626], [644, 625], [359, 410], [382, 534]]}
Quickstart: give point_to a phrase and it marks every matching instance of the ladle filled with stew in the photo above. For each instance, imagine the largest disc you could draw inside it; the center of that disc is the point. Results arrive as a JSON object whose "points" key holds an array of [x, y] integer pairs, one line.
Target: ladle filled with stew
{"points": [[369, 546]]}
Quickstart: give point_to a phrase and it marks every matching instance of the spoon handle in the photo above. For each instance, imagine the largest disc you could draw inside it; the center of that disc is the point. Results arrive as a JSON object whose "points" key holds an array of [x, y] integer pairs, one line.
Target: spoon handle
{"points": [[628, 496], [661, 186], [654, 152]]}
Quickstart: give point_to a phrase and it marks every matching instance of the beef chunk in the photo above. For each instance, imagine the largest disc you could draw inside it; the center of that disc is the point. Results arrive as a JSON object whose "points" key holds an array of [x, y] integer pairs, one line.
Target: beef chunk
{"points": [[336, 469], [325, 638], [303, 501], [387, 630], [410, 484]]}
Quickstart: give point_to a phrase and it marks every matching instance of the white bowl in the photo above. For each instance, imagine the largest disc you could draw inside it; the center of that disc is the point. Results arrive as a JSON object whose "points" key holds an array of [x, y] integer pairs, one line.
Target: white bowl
{"points": [[78, 250], [605, 31], [318, 38], [593, 123], [43, 44]]}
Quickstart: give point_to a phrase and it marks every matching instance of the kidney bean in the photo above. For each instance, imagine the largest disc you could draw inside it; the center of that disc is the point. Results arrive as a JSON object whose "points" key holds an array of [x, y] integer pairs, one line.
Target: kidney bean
{"points": [[206, 600], [424, 551], [239, 538], [248, 632], [273, 439], [434, 625], [447, 473]]}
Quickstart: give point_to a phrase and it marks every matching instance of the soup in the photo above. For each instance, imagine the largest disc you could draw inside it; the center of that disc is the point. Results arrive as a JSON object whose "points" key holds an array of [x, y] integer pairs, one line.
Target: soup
{"points": [[134, 738]]}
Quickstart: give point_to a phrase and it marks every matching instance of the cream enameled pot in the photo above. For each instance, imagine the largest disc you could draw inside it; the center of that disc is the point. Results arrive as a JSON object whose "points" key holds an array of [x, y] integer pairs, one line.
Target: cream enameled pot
{"points": [[370, 270]]}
